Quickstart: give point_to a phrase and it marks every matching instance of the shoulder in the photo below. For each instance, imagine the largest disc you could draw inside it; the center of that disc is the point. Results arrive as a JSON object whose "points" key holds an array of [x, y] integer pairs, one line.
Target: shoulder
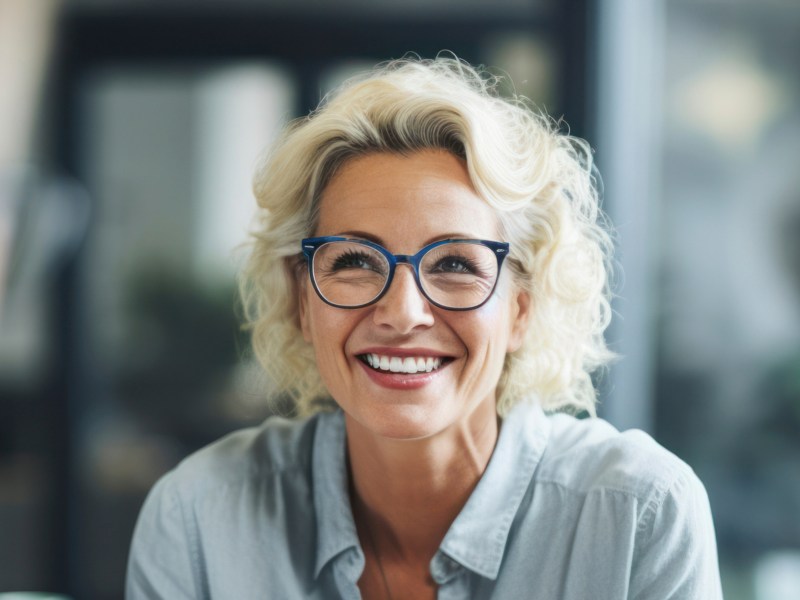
{"points": [[235, 493], [276, 447], [590, 455], [623, 491]]}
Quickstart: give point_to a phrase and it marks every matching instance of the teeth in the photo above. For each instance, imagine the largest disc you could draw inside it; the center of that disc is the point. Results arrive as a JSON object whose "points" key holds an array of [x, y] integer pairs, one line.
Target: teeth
{"points": [[409, 364]]}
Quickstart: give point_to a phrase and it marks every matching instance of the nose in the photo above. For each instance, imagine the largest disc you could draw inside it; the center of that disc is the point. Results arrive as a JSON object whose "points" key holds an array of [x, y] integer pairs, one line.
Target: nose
{"points": [[403, 307]]}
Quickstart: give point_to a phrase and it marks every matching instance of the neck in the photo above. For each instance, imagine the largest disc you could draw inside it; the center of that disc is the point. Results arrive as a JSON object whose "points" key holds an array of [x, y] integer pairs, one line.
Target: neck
{"points": [[408, 492]]}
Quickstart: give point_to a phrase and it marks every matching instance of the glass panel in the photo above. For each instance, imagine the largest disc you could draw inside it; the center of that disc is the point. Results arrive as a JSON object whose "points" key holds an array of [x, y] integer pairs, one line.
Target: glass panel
{"points": [[728, 396], [530, 61], [169, 157]]}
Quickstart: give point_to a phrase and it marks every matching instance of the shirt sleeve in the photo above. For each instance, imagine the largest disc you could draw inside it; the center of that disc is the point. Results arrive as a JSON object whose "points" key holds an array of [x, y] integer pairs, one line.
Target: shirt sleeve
{"points": [[676, 552], [162, 563]]}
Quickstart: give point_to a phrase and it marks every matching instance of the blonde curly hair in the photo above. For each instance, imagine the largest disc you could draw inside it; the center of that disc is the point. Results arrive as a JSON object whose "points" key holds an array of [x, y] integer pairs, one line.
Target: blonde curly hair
{"points": [[540, 182]]}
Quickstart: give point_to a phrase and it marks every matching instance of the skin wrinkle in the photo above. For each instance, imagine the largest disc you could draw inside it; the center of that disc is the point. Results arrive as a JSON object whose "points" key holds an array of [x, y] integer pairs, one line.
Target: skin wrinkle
{"points": [[415, 455], [519, 161]]}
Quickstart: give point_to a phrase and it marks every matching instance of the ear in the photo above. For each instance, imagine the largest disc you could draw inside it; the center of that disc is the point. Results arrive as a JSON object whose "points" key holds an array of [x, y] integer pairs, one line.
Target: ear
{"points": [[520, 317]]}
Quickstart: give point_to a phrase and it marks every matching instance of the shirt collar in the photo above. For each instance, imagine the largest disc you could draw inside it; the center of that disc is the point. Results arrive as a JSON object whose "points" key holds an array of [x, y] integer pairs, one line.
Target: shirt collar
{"points": [[336, 529], [477, 538]]}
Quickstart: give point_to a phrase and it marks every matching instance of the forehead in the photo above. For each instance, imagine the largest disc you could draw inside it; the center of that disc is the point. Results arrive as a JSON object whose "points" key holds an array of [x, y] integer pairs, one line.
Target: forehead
{"points": [[405, 201]]}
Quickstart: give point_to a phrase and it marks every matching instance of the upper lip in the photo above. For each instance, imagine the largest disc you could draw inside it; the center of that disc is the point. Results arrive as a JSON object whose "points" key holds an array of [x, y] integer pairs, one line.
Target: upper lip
{"points": [[403, 352]]}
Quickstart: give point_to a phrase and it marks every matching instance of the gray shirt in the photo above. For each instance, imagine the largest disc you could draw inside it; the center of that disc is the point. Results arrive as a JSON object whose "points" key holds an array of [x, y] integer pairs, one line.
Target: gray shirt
{"points": [[567, 509]]}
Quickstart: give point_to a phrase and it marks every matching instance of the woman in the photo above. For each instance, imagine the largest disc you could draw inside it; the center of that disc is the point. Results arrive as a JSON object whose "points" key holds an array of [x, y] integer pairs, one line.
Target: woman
{"points": [[431, 258]]}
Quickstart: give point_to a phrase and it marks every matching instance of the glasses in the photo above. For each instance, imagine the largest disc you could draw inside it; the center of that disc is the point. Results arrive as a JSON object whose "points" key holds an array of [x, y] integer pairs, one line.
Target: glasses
{"points": [[451, 274]]}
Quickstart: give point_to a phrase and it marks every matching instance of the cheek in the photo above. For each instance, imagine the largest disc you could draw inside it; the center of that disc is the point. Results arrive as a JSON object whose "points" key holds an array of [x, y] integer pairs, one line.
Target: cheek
{"points": [[501, 335], [317, 319], [305, 325], [304, 302], [324, 327], [510, 312], [312, 319], [485, 331]]}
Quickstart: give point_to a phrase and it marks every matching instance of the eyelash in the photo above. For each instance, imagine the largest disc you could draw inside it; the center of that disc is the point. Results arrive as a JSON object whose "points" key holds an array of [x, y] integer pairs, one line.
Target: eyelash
{"points": [[467, 264], [350, 257]]}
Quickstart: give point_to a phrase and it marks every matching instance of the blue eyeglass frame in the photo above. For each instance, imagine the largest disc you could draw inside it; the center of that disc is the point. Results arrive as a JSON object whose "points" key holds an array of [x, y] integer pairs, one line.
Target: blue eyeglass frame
{"points": [[311, 245]]}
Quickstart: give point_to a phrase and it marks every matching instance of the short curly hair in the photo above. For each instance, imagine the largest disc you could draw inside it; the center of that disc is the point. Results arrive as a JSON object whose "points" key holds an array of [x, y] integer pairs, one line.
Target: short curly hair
{"points": [[541, 183]]}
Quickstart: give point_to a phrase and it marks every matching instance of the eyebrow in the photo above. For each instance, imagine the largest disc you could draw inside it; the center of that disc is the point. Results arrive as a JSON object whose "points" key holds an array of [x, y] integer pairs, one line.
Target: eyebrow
{"points": [[363, 235]]}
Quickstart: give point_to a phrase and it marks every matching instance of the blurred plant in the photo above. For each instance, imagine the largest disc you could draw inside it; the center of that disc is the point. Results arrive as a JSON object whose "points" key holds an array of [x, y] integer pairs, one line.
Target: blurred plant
{"points": [[183, 344]]}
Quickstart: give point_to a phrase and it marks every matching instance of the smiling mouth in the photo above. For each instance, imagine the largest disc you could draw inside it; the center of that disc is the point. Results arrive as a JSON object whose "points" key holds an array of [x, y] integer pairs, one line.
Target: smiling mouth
{"points": [[405, 364]]}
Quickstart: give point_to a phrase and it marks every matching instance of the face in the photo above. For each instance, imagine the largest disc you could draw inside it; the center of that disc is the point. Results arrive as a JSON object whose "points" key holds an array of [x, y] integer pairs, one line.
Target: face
{"points": [[403, 204]]}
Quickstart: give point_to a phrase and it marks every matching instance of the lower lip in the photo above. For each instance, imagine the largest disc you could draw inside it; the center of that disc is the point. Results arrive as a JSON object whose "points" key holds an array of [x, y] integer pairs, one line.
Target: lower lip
{"points": [[400, 381]]}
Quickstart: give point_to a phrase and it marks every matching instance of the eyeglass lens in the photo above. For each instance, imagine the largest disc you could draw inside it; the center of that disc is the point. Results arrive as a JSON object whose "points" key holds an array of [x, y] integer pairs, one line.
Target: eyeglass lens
{"points": [[455, 275]]}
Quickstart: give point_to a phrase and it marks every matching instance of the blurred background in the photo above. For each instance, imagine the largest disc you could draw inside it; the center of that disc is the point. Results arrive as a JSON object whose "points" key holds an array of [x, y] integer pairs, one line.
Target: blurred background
{"points": [[129, 130]]}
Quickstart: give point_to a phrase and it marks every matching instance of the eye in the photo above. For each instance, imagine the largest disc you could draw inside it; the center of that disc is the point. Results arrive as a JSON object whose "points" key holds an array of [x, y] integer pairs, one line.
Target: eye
{"points": [[454, 264], [355, 259]]}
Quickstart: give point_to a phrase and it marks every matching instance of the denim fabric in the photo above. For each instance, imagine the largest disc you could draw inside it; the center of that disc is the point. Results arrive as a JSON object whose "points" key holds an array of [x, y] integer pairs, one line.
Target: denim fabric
{"points": [[567, 509]]}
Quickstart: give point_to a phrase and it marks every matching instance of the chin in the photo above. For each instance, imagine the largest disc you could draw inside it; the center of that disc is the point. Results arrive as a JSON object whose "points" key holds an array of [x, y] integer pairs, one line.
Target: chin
{"points": [[409, 422]]}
